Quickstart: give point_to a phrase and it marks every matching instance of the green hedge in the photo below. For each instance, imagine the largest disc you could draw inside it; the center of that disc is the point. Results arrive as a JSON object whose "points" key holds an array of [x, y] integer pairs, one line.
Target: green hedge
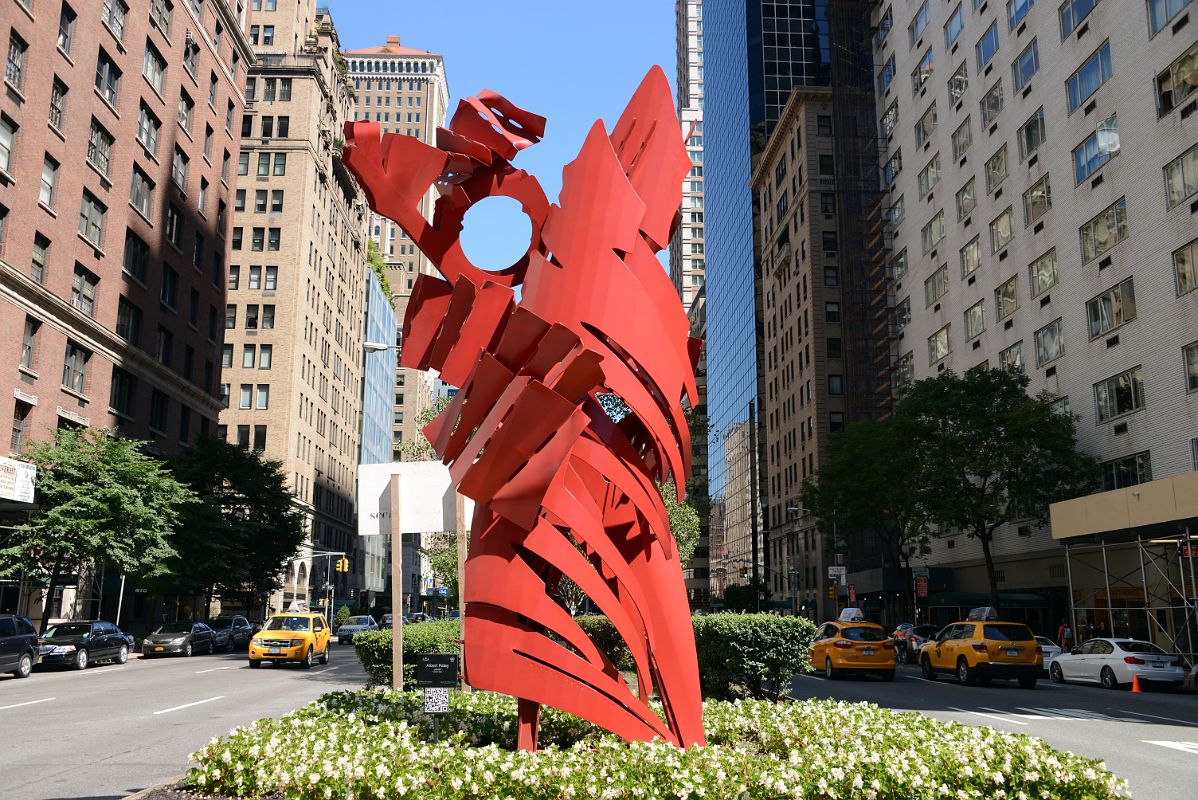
{"points": [[738, 653], [374, 648], [368, 744]]}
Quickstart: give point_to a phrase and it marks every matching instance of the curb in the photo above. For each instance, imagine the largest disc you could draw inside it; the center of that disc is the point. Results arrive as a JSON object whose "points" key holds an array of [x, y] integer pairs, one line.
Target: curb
{"points": [[168, 784]]}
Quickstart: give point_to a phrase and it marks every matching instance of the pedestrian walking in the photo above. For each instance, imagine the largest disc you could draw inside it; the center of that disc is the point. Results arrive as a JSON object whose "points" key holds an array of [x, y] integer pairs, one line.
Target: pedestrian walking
{"points": [[1065, 636]]}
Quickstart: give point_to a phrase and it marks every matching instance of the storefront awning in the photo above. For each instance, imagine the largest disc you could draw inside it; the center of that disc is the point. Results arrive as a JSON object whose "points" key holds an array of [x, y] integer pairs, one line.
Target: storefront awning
{"points": [[977, 599]]}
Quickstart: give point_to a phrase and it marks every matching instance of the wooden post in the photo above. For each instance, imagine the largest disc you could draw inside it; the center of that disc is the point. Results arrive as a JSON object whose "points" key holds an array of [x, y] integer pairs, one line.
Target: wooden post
{"points": [[397, 587], [460, 523]]}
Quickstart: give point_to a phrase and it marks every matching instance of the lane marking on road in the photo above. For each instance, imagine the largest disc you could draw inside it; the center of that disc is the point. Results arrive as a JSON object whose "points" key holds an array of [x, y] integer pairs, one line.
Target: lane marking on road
{"points": [[326, 669], [214, 669], [1191, 723], [991, 716], [1013, 714], [189, 705], [29, 703], [1185, 747], [101, 671]]}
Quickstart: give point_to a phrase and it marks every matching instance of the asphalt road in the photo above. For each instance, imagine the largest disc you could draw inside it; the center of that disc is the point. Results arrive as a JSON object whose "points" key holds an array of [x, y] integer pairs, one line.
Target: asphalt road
{"points": [[111, 730], [1148, 739]]}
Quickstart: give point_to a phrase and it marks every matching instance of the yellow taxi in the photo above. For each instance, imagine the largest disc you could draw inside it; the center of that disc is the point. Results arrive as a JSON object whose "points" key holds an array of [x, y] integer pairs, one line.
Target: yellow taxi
{"points": [[294, 636], [849, 644], [983, 647]]}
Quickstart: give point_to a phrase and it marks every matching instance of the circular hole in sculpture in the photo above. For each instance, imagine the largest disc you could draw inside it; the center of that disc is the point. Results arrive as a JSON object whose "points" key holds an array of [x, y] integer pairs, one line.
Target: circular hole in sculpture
{"points": [[496, 233]]}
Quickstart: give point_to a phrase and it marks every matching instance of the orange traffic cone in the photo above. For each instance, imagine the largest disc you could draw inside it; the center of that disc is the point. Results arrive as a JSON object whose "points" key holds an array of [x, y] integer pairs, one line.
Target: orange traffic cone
{"points": [[1135, 683]]}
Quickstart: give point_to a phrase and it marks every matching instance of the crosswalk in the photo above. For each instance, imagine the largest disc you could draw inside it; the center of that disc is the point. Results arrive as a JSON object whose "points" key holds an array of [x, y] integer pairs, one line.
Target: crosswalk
{"points": [[1022, 715]]}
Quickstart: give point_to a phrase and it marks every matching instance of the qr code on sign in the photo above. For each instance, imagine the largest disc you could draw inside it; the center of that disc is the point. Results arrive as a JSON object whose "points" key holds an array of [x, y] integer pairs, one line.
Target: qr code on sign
{"points": [[436, 701]]}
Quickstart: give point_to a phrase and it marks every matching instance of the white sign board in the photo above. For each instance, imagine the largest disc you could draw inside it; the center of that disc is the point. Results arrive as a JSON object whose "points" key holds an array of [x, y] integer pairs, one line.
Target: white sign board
{"points": [[16, 480], [839, 572], [427, 500]]}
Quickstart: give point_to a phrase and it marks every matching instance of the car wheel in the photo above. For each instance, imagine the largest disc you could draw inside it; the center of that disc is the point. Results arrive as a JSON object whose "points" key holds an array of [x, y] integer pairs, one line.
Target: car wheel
{"points": [[1108, 678], [324, 657], [886, 675], [123, 654], [829, 672], [255, 663], [925, 666], [309, 660], [964, 673], [24, 666], [1055, 674], [1028, 681], [80, 659], [187, 650]]}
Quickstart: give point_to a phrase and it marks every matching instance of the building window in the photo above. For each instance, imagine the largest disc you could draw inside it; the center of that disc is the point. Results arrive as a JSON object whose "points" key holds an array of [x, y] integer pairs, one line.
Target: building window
{"points": [[246, 396], [1037, 201], [918, 23], [971, 257], [66, 28], [1043, 273], [1098, 148], [1181, 177], [83, 290], [262, 397], [987, 46], [20, 421], [137, 255], [1090, 76], [829, 240], [74, 367], [1105, 231], [886, 76], [265, 354], [272, 279], [186, 111], [923, 72], [1048, 343], [1006, 298], [962, 139], [890, 120], [280, 164], [953, 28], [15, 71], [91, 218], [276, 201], [154, 68], [113, 14], [141, 193], [966, 200], [932, 233], [268, 316], [230, 316], [159, 411], [108, 78], [251, 317], [975, 320], [128, 321], [1120, 394], [1017, 10], [1114, 307], [1031, 135], [164, 345], [904, 372], [160, 13], [1026, 66], [179, 166], [58, 103], [936, 286], [929, 176], [992, 104], [45, 194], [148, 127], [835, 421], [174, 226], [1001, 231], [939, 345], [41, 255], [1128, 471], [1162, 12], [29, 342], [1072, 12], [1177, 82], [1185, 266], [99, 149], [170, 287], [260, 438], [832, 312], [1191, 357], [958, 83], [996, 169], [892, 168], [1011, 359], [120, 397]]}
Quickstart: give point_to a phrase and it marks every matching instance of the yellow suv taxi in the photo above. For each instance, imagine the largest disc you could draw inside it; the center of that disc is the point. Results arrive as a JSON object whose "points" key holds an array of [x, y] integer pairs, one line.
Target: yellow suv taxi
{"points": [[296, 637], [851, 645], [981, 648]]}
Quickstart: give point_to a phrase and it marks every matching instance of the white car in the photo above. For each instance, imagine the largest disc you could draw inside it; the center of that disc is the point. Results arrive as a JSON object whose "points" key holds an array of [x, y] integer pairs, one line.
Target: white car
{"points": [[1114, 662], [1049, 649]]}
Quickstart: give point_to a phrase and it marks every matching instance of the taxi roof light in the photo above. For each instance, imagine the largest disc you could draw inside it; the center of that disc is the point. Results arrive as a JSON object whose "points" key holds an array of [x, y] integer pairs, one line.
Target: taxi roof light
{"points": [[982, 613], [851, 615]]}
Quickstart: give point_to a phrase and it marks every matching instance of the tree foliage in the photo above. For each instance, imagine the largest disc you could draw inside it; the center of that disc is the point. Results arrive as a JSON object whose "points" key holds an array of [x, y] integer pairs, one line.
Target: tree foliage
{"points": [[100, 499], [375, 258], [421, 449], [245, 530]]}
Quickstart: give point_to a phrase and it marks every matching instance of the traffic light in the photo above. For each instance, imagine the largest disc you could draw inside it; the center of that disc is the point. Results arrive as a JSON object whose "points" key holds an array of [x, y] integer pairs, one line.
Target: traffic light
{"points": [[342, 565], [744, 571], [831, 590]]}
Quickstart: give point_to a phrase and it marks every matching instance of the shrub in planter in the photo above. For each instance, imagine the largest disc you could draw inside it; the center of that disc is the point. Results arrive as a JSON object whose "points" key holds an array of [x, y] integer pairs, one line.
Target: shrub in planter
{"points": [[376, 745], [749, 650], [374, 648]]}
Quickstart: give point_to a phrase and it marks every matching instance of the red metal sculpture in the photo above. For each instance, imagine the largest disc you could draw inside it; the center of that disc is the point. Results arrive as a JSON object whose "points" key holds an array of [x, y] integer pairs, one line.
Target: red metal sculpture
{"points": [[562, 489]]}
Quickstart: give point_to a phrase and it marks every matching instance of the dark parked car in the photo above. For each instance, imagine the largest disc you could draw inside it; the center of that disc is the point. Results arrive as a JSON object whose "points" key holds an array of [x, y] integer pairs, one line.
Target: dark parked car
{"points": [[18, 645], [355, 624], [907, 648], [77, 644], [180, 639], [232, 633]]}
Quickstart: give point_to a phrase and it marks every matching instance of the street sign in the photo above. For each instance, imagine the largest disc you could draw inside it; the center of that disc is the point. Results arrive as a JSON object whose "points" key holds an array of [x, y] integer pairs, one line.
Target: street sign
{"points": [[1189, 551], [921, 586], [839, 573], [852, 594], [437, 671], [441, 591], [925, 572]]}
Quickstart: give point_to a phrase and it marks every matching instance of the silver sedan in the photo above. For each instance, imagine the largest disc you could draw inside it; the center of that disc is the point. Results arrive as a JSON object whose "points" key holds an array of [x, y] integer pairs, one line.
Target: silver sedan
{"points": [[1115, 662]]}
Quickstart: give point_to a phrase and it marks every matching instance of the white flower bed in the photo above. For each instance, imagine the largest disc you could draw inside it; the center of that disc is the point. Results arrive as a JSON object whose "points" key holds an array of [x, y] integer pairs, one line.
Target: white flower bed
{"points": [[352, 745]]}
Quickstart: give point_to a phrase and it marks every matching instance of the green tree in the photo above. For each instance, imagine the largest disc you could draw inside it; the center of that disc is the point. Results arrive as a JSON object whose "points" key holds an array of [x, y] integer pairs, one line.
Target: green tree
{"points": [[864, 489], [442, 554], [422, 449], [987, 454], [684, 521], [341, 616], [245, 530], [100, 499], [375, 258]]}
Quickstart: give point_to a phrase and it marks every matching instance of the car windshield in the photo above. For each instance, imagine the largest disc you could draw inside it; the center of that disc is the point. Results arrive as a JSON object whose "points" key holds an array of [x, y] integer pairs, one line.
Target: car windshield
{"points": [[67, 630], [864, 634], [289, 624], [174, 627], [358, 621], [1008, 633], [1141, 647], [220, 623]]}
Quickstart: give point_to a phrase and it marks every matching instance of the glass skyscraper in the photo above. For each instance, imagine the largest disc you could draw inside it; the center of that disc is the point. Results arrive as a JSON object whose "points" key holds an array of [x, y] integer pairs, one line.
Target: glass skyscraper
{"points": [[755, 53]]}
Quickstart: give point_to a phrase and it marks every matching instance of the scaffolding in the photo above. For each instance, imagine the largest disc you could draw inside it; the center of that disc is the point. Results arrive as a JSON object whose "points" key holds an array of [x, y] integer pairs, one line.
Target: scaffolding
{"points": [[1141, 586]]}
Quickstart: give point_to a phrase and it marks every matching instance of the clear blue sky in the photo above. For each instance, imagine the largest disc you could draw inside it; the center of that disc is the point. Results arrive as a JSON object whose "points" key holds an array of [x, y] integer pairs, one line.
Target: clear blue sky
{"points": [[568, 60]]}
